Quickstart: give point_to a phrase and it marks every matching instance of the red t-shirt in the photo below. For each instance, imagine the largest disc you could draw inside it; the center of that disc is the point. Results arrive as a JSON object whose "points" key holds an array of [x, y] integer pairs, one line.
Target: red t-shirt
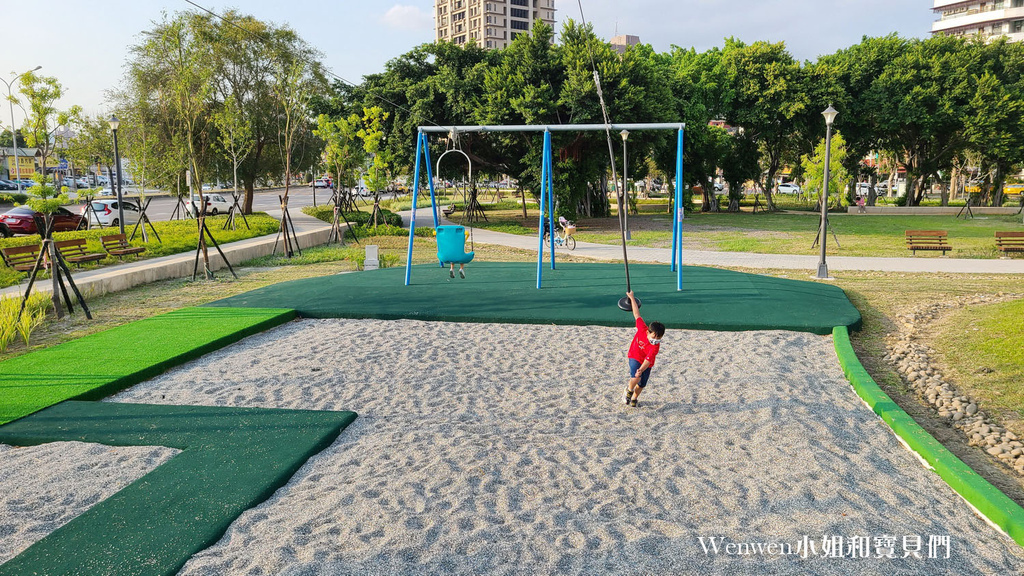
{"points": [[641, 348]]}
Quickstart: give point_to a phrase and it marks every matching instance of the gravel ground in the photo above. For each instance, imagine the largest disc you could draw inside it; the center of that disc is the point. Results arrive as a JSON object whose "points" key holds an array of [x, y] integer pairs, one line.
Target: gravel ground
{"points": [[44, 487], [506, 449]]}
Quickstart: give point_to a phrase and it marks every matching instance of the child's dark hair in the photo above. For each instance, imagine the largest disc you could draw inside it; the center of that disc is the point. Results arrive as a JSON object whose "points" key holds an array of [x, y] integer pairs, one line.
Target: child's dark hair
{"points": [[658, 328]]}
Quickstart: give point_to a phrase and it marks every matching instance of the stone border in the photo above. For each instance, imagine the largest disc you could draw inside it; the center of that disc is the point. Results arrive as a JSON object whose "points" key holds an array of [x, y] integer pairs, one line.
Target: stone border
{"points": [[912, 361], [994, 506]]}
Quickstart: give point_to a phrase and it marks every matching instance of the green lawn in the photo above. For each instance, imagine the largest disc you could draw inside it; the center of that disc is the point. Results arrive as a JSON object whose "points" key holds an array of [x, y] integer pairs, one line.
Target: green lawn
{"points": [[986, 349], [786, 233], [176, 236]]}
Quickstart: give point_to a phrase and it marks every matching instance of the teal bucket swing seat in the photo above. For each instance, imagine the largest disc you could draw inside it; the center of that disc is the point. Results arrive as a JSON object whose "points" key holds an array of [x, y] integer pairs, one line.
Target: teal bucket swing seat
{"points": [[451, 245]]}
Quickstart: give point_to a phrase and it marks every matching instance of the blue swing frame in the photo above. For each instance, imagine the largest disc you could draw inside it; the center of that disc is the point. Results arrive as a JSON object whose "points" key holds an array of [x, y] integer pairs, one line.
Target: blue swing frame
{"points": [[547, 185]]}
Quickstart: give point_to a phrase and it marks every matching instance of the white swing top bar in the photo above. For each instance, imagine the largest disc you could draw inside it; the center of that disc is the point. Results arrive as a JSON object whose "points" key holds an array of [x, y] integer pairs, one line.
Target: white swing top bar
{"points": [[551, 128]]}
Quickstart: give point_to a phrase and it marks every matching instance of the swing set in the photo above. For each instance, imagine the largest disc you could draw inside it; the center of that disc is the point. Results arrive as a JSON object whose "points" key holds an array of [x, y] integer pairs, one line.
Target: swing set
{"points": [[451, 244]]}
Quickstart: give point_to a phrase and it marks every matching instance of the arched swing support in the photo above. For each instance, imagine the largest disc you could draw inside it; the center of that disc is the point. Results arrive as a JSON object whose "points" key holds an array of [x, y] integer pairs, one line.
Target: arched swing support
{"points": [[547, 180]]}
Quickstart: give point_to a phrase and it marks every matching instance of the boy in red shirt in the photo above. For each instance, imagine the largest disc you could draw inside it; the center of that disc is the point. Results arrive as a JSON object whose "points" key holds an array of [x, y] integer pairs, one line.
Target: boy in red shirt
{"points": [[642, 351]]}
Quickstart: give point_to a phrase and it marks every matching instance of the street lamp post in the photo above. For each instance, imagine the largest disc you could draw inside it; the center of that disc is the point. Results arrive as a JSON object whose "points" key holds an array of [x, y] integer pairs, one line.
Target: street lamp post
{"points": [[114, 123], [625, 181], [830, 114], [14, 135]]}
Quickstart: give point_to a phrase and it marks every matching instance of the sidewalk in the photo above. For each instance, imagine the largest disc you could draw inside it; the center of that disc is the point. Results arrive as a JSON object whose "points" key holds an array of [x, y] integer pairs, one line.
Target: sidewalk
{"points": [[745, 259], [308, 230]]}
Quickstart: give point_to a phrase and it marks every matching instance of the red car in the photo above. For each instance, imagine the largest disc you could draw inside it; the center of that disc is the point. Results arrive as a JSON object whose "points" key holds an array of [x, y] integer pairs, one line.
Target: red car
{"points": [[19, 220]]}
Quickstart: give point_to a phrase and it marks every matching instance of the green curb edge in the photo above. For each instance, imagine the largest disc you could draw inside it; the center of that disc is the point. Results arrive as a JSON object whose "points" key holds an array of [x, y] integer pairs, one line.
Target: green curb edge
{"points": [[986, 499]]}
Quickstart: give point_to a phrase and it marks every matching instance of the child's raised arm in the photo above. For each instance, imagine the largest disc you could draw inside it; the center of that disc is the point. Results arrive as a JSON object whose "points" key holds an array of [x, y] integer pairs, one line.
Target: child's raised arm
{"points": [[632, 302]]}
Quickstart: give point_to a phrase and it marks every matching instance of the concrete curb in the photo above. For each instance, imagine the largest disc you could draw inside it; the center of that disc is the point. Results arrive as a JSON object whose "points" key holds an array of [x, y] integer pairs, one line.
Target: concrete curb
{"points": [[987, 500]]}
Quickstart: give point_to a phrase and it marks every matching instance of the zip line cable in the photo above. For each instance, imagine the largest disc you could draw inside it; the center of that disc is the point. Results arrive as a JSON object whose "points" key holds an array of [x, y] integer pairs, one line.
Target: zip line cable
{"points": [[623, 302], [326, 69]]}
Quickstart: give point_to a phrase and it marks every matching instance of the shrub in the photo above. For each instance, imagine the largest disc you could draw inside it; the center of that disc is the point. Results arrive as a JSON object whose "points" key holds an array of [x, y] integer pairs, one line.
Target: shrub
{"points": [[325, 212], [389, 230]]}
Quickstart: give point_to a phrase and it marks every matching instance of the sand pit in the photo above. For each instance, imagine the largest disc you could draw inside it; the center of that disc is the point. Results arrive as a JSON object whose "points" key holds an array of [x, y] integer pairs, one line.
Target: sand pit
{"points": [[506, 449], [44, 487]]}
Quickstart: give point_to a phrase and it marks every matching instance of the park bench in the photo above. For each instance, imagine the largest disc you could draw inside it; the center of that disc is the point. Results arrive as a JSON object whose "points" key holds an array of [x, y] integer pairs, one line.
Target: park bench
{"points": [[927, 240], [21, 258], [117, 245], [448, 210], [74, 251], [1010, 241]]}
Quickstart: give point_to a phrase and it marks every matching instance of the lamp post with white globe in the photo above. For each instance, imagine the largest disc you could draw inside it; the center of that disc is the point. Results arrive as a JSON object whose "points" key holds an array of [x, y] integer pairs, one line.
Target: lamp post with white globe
{"points": [[830, 114]]}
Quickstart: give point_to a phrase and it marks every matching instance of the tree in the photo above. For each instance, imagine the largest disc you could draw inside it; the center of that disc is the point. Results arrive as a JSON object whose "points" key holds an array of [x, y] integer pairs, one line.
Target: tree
{"points": [[844, 80], [43, 119], [342, 151], [739, 164], [921, 99], [766, 96], [814, 170], [6, 141], [994, 127], [293, 91], [241, 57], [175, 59], [378, 177], [236, 141]]}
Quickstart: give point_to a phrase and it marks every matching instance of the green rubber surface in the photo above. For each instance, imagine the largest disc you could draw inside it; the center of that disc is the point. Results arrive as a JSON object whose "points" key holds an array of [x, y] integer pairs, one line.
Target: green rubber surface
{"points": [[100, 364], [986, 498], [232, 459], [711, 299]]}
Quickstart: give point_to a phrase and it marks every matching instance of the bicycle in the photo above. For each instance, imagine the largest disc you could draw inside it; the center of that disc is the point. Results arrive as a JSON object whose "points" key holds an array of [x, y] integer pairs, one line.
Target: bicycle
{"points": [[563, 237]]}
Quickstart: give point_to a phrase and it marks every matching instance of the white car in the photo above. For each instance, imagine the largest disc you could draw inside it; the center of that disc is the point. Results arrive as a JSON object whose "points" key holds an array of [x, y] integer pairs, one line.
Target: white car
{"points": [[788, 188], [322, 183], [105, 212], [215, 204]]}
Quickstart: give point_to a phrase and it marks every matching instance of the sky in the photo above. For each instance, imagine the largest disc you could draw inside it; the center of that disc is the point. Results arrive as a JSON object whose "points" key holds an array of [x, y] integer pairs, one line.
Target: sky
{"points": [[85, 45]]}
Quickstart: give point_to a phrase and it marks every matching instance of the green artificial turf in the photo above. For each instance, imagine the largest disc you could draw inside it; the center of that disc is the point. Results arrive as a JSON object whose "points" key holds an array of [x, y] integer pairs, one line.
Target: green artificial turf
{"points": [[103, 363], [711, 299], [232, 459]]}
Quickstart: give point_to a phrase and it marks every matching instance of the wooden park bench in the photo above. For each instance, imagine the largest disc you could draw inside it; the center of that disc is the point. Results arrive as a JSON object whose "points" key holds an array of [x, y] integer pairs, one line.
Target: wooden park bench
{"points": [[21, 258], [927, 240], [74, 251], [448, 210], [117, 245], [1010, 241]]}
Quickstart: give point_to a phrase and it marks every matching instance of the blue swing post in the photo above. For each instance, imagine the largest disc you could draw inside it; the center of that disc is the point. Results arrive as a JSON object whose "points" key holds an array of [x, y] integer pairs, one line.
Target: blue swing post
{"points": [[420, 141], [541, 205], [677, 217], [551, 194]]}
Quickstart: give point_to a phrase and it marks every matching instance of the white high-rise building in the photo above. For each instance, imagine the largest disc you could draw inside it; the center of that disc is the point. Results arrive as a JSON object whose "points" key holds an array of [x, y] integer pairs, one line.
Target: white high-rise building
{"points": [[489, 23], [989, 18]]}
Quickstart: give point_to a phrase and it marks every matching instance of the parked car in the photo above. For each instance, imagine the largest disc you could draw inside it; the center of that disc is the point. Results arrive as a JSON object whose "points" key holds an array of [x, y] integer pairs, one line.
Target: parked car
{"points": [[19, 220], [215, 204], [788, 188], [8, 185], [322, 183], [863, 188], [106, 213], [74, 183]]}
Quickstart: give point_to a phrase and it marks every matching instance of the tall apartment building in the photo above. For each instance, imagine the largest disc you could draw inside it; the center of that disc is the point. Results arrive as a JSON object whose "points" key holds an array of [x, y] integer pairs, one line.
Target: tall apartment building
{"points": [[489, 23], [989, 18]]}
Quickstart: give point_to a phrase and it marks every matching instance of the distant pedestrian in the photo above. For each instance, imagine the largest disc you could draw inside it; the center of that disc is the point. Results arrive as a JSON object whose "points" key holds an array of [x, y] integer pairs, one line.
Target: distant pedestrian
{"points": [[860, 205]]}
